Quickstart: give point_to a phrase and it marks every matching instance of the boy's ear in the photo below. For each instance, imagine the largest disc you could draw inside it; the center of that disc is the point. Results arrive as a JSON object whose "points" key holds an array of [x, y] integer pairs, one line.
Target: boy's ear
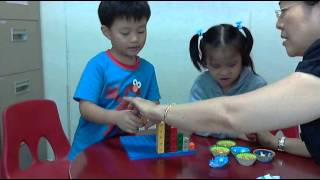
{"points": [[106, 31]]}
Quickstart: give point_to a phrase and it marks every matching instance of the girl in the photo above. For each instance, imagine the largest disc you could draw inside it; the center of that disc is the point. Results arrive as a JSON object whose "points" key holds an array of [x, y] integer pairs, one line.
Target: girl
{"points": [[224, 54]]}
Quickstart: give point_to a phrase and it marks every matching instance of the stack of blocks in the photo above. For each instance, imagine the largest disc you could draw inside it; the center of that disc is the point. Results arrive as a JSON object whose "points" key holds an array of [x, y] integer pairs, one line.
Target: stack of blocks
{"points": [[170, 140]]}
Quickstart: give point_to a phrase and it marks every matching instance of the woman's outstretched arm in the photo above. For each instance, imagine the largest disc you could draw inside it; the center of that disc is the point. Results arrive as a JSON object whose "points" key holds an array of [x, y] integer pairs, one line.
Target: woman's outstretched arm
{"points": [[289, 102]]}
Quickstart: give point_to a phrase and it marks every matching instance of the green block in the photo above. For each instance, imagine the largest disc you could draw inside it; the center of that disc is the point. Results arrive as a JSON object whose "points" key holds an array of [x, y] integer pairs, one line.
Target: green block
{"points": [[180, 145]]}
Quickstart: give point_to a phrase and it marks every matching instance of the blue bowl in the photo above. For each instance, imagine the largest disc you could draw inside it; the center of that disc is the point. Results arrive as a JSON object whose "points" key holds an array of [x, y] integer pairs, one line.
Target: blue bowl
{"points": [[219, 161], [239, 149], [264, 155]]}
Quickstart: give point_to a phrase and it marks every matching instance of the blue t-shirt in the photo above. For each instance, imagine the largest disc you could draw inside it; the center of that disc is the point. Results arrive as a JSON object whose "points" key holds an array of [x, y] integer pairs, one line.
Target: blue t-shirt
{"points": [[105, 81], [205, 87]]}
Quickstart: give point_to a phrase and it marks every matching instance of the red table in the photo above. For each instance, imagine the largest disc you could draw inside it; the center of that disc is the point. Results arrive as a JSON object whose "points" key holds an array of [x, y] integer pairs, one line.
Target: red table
{"points": [[109, 160]]}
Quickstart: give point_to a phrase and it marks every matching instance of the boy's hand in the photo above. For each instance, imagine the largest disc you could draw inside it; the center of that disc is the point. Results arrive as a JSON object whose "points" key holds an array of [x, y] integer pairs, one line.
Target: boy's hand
{"points": [[149, 123], [146, 123], [129, 122]]}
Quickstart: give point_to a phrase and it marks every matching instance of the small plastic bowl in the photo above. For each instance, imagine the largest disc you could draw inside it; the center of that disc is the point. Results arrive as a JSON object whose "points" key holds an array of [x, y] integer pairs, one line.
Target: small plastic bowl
{"points": [[239, 149], [219, 161], [246, 159], [264, 155], [219, 150], [226, 143]]}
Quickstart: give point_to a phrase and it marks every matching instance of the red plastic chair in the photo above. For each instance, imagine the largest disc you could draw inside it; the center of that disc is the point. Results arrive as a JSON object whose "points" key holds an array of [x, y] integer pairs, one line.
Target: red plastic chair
{"points": [[292, 132], [27, 122]]}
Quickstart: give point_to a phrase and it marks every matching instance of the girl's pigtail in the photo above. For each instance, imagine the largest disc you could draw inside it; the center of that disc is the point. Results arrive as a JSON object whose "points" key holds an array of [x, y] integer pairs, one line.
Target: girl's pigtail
{"points": [[194, 51], [248, 47]]}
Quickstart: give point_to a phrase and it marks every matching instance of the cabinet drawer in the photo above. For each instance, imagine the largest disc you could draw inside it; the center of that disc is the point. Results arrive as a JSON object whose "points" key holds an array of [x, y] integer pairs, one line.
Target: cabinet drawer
{"points": [[20, 87], [26, 10], [20, 47]]}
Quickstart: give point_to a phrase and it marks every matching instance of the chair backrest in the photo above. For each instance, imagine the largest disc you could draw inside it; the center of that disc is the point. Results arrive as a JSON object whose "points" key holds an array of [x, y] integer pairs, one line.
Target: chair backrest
{"points": [[292, 132], [27, 122]]}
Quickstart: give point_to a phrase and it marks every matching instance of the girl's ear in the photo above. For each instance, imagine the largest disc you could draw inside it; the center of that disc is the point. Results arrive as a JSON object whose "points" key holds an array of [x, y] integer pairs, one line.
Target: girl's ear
{"points": [[106, 31]]}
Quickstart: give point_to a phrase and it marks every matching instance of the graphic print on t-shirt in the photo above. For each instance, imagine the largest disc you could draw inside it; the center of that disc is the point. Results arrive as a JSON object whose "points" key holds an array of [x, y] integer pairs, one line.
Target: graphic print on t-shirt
{"points": [[113, 93]]}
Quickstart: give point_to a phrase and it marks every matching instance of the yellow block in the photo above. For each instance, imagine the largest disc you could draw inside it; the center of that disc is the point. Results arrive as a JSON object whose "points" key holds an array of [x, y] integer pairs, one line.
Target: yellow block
{"points": [[160, 137]]}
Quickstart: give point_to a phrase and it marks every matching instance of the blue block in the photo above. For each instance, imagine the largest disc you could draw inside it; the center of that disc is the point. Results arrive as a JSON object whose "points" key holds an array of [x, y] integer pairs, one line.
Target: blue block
{"points": [[144, 147]]}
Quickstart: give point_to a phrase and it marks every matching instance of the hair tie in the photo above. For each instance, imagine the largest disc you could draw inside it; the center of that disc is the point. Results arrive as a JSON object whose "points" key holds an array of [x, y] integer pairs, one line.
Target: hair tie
{"points": [[199, 32], [239, 24]]}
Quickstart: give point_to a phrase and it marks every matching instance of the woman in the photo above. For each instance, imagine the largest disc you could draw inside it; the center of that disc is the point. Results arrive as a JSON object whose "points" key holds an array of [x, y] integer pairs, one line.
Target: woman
{"points": [[289, 102]]}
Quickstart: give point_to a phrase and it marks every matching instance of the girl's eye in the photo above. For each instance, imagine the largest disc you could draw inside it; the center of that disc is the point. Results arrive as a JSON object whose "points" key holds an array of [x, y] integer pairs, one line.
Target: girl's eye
{"points": [[215, 66], [141, 32], [231, 65]]}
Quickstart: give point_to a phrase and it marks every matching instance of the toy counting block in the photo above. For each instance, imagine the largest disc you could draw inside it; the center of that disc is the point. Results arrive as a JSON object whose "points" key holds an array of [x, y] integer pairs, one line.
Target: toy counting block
{"points": [[185, 145], [171, 139], [180, 141], [160, 137], [167, 138]]}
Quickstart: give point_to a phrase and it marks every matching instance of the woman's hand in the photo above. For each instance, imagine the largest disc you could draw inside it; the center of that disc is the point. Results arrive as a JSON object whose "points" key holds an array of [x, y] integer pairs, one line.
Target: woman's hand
{"points": [[252, 137], [144, 109], [267, 139]]}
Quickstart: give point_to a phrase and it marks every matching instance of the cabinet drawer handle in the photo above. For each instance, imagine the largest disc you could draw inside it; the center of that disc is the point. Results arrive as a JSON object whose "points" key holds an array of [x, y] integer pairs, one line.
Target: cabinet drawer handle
{"points": [[18, 35], [22, 87]]}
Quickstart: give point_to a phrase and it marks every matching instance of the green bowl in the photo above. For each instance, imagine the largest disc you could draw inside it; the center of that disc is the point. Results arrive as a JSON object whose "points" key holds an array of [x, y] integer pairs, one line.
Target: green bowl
{"points": [[219, 150], [246, 159], [226, 143]]}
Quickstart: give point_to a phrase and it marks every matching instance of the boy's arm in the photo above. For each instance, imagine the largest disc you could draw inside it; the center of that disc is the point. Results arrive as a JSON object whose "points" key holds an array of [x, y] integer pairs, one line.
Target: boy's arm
{"points": [[96, 114], [125, 120]]}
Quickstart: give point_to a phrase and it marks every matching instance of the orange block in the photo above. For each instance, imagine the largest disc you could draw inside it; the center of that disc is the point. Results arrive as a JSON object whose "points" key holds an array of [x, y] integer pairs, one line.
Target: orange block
{"points": [[192, 146]]}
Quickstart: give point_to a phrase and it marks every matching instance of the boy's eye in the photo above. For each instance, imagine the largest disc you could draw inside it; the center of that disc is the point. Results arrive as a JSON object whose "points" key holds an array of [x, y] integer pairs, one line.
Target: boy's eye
{"points": [[125, 33], [141, 32]]}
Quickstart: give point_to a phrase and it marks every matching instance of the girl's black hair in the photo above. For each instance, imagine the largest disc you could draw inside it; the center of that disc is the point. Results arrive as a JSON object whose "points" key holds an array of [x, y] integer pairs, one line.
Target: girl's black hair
{"points": [[222, 35], [108, 11]]}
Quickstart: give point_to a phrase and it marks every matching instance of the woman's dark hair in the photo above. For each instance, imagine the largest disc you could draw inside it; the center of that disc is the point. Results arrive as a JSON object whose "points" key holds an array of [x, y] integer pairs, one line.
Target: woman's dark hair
{"points": [[311, 3], [222, 35], [108, 11]]}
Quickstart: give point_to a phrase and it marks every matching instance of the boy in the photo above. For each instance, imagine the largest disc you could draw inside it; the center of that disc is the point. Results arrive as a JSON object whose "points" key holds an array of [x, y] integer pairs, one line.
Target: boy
{"points": [[111, 75]]}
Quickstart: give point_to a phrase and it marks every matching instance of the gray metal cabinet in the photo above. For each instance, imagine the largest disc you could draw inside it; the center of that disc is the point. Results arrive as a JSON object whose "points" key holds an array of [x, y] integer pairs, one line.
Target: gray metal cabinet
{"points": [[21, 76]]}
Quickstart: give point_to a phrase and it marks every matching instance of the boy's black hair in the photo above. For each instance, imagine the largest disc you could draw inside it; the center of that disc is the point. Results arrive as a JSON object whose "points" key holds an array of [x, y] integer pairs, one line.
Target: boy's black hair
{"points": [[222, 35], [108, 11]]}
